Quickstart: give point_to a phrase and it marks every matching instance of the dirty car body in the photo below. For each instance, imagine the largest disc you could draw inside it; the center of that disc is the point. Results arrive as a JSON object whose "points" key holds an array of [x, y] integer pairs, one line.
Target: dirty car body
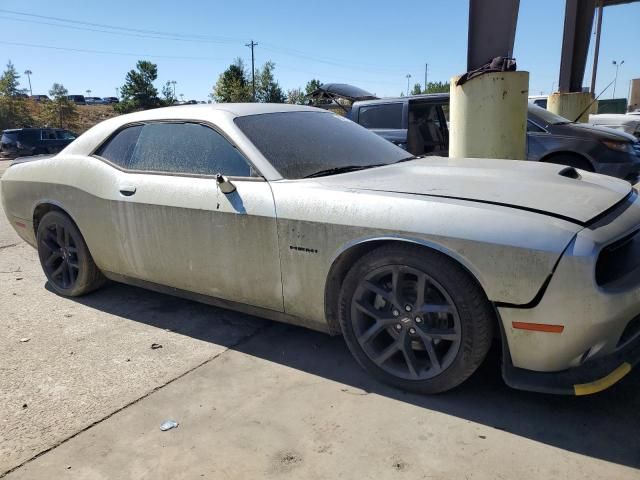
{"points": [[546, 245]]}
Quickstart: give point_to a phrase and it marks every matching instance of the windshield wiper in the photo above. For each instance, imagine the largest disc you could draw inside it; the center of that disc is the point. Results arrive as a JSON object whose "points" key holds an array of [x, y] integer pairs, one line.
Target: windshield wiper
{"points": [[415, 157], [344, 169]]}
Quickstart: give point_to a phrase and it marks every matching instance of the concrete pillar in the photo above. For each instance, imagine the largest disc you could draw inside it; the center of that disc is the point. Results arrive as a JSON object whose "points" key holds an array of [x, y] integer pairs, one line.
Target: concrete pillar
{"points": [[488, 116], [634, 95], [570, 105]]}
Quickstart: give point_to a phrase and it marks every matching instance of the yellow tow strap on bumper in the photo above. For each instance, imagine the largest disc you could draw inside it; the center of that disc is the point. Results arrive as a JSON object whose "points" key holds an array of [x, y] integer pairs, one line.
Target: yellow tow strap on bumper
{"points": [[604, 382]]}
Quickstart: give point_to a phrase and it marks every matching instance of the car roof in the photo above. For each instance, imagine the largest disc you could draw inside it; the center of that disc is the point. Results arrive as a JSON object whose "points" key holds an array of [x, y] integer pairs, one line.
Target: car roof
{"points": [[235, 109], [425, 96], [29, 129]]}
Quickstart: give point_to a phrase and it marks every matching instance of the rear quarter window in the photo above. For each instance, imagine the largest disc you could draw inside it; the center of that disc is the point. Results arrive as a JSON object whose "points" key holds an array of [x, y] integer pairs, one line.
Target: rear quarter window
{"points": [[119, 148]]}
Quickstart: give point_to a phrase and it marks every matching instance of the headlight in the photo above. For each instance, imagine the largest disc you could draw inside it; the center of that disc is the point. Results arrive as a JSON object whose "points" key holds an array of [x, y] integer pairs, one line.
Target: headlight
{"points": [[624, 147]]}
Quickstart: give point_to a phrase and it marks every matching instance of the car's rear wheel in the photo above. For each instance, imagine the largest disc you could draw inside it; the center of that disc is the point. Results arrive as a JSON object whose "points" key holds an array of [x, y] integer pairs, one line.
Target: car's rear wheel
{"points": [[65, 258], [414, 318]]}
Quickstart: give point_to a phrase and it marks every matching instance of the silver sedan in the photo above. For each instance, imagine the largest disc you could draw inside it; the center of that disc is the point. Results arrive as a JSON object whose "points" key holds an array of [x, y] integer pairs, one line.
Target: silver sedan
{"points": [[301, 216]]}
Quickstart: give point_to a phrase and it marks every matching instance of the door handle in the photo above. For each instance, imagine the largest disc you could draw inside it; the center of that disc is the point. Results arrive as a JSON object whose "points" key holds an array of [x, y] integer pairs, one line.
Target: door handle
{"points": [[127, 190]]}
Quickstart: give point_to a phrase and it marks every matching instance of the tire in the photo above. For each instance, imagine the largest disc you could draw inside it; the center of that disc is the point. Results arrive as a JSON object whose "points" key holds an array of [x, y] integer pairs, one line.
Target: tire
{"points": [[65, 258], [574, 161], [427, 343]]}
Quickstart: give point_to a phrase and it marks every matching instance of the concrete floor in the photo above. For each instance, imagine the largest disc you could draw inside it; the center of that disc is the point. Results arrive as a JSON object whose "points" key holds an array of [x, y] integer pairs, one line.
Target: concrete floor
{"points": [[85, 395]]}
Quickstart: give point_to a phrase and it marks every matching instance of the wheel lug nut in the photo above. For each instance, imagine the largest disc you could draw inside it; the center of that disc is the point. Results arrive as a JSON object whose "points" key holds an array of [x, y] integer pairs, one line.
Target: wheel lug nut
{"points": [[398, 326], [407, 308], [412, 331], [395, 313], [418, 320]]}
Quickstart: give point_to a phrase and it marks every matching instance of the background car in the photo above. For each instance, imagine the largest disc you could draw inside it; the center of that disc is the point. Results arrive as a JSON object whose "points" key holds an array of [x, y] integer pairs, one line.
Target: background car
{"points": [[40, 98], [111, 99], [419, 124], [628, 122], [34, 141], [94, 100], [77, 99], [420, 263]]}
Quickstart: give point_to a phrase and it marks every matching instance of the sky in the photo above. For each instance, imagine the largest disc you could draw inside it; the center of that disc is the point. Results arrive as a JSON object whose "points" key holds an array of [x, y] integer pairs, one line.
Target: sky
{"points": [[371, 44]]}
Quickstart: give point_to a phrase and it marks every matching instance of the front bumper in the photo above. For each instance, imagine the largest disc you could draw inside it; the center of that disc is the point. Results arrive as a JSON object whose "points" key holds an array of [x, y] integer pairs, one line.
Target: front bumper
{"points": [[591, 377], [627, 170], [595, 337]]}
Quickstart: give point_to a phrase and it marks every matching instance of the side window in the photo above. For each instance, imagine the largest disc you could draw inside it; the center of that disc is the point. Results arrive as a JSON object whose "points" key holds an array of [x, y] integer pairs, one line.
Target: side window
{"points": [[387, 115], [532, 127], [119, 148], [47, 134], [189, 148], [541, 102]]}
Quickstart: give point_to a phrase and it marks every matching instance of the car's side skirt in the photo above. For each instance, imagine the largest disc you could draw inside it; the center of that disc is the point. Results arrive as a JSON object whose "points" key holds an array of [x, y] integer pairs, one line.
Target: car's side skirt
{"points": [[220, 302]]}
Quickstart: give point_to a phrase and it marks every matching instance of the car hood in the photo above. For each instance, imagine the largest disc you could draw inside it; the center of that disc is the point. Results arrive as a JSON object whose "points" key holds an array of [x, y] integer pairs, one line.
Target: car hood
{"points": [[532, 186], [593, 131]]}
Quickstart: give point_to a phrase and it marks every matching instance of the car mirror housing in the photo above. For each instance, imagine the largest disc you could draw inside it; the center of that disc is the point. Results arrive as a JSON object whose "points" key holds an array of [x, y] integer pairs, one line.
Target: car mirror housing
{"points": [[225, 184]]}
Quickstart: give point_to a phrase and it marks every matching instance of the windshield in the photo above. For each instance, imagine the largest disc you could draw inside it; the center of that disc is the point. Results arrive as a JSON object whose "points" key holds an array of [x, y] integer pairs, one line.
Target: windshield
{"points": [[9, 137], [299, 144], [546, 116]]}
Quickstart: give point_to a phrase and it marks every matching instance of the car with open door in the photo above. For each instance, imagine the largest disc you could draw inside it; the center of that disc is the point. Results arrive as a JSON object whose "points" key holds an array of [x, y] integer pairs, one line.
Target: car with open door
{"points": [[418, 123], [299, 215]]}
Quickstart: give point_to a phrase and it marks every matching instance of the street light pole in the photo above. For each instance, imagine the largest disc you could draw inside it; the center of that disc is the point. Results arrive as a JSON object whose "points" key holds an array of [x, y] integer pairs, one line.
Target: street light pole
{"points": [[118, 92], [615, 80], [28, 74], [426, 73], [408, 78]]}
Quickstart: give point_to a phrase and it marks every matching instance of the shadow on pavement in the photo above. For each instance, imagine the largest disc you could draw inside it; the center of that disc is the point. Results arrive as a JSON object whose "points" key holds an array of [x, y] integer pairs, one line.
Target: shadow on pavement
{"points": [[604, 426]]}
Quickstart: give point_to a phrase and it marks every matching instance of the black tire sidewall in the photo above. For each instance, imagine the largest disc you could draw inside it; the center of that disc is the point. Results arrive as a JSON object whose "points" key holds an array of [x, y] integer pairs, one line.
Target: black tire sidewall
{"points": [[475, 322], [85, 261]]}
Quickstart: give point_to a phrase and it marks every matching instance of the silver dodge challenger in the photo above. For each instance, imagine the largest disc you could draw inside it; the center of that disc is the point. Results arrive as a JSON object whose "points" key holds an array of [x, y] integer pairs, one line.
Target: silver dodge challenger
{"points": [[298, 215]]}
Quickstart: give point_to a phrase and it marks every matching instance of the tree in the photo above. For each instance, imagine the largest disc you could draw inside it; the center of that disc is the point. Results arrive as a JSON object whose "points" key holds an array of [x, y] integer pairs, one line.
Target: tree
{"points": [[13, 109], [233, 85], [437, 87], [296, 96], [60, 111], [417, 89], [9, 81], [312, 86], [267, 88], [138, 92], [168, 98]]}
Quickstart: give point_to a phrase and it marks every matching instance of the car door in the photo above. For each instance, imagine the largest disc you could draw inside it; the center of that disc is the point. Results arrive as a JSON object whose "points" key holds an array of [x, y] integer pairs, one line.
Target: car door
{"points": [[49, 141], [386, 119], [178, 229]]}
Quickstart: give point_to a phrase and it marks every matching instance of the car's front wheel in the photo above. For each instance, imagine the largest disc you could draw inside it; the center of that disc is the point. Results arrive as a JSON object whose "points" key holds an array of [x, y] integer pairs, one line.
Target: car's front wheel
{"points": [[414, 318], [65, 258]]}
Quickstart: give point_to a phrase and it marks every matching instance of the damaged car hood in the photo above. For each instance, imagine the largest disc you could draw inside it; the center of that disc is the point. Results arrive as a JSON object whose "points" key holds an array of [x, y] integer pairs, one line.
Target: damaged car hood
{"points": [[555, 190]]}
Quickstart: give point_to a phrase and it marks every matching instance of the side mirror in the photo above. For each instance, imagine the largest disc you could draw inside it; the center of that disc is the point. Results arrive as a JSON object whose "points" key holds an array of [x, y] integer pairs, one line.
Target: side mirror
{"points": [[225, 184]]}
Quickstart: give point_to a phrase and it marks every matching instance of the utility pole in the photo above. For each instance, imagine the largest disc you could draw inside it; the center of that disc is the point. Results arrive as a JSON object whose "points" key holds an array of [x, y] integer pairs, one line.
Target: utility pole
{"points": [[408, 78], [253, 68], [596, 51], [615, 80], [118, 92], [426, 73], [28, 74]]}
